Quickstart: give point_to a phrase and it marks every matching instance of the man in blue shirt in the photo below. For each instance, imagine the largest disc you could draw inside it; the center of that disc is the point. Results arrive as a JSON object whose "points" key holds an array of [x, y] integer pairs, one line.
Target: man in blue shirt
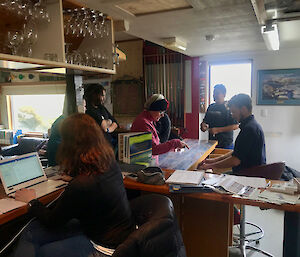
{"points": [[249, 149], [218, 120]]}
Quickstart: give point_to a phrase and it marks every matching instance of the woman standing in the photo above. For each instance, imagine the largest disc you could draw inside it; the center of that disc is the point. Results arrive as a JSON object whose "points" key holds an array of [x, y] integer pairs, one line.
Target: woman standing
{"points": [[92, 216]]}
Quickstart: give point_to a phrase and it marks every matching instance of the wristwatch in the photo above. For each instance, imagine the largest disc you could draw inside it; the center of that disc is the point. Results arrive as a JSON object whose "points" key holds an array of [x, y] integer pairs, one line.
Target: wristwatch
{"points": [[107, 130], [32, 203]]}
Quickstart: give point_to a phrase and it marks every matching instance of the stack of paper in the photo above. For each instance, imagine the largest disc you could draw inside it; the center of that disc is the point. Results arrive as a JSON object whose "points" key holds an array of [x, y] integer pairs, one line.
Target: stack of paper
{"points": [[278, 198], [183, 177]]}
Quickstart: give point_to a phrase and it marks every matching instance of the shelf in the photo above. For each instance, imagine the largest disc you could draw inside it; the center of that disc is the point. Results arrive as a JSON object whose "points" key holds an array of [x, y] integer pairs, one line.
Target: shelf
{"points": [[22, 64], [51, 40]]}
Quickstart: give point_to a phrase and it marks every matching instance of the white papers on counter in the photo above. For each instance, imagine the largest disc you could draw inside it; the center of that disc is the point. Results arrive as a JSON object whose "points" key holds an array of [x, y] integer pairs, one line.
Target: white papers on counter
{"points": [[183, 177], [9, 204], [239, 185], [278, 198], [291, 187]]}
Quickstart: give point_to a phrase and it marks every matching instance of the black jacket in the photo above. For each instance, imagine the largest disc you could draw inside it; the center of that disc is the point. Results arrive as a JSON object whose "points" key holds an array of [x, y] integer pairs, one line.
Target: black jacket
{"points": [[99, 202]]}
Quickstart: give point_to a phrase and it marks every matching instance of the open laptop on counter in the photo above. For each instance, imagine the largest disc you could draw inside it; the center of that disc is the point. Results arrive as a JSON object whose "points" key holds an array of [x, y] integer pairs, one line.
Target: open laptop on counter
{"points": [[25, 171]]}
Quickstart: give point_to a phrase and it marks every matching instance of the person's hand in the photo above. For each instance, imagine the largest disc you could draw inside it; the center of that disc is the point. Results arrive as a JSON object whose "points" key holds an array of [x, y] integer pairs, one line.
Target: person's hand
{"points": [[184, 145], [66, 178], [203, 166], [25, 195], [214, 131], [109, 122], [204, 126], [181, 146]]}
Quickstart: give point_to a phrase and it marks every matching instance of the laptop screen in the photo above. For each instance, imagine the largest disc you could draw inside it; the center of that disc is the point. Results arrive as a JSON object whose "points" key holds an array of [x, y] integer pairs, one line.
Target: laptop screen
{"points": [[20, 170]]}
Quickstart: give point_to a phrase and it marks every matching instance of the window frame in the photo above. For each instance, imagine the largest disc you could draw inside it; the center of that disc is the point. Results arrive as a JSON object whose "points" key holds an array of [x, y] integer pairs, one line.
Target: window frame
{"points": [[228, 63], [39, 88]]}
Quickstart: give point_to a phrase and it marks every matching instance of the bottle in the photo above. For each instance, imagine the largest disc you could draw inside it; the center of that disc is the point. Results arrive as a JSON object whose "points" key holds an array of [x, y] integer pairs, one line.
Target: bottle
{"points": [[18, 133]]}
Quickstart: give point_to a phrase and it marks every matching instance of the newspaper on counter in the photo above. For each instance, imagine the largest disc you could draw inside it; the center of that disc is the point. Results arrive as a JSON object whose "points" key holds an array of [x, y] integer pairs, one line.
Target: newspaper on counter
{"points": [[244, 186]]}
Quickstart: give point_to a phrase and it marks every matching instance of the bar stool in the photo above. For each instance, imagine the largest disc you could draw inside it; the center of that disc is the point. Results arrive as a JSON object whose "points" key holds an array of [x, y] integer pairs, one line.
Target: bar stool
{"points": [[271, 171]]}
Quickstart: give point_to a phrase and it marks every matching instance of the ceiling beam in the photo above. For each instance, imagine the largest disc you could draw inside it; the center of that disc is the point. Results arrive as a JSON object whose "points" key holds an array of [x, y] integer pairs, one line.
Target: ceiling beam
{"points": [[260, 11], [121, 25], [196, 4]]}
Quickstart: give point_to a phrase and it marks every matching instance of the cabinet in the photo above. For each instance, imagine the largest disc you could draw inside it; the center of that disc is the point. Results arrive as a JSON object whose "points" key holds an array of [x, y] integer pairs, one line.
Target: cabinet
{"points": [[49, 50]]}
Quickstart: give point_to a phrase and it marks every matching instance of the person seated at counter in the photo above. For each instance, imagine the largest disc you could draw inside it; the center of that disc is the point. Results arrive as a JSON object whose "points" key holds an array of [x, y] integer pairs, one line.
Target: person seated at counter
{"points": [[163, 128], [54, 141], [94, 96], [92, 216], [249, 149], [155, 108], [218, 120]]}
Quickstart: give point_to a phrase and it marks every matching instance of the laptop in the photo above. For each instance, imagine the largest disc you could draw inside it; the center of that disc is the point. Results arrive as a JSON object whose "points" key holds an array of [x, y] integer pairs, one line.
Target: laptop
{"points": [[25, 171]]}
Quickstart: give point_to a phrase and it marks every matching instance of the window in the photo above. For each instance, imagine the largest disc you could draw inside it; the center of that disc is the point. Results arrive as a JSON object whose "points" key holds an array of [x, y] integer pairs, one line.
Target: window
{"points": [[35, 113], [235, 76]]}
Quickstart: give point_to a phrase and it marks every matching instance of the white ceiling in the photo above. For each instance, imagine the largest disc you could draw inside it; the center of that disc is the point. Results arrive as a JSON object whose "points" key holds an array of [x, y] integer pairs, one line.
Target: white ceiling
{"points": [[233, 22]]}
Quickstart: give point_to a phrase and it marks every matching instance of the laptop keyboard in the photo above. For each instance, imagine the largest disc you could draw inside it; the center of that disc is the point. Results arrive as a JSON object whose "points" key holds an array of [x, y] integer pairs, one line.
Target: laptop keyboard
{"points": [[46, 187]]}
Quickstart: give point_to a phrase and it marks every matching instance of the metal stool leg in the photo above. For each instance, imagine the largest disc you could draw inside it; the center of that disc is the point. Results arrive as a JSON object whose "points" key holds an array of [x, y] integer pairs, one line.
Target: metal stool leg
{"points": [[243, 244], [258, 250]]}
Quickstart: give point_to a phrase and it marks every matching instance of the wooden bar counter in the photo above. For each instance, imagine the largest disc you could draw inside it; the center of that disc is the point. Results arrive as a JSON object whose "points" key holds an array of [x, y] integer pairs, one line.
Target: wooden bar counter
{"points": [[205, 219], [188, 159]]}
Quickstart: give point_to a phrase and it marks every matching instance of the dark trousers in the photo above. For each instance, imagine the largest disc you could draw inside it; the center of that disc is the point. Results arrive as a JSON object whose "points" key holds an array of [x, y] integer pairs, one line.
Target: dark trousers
{"points": [[38, 241]]}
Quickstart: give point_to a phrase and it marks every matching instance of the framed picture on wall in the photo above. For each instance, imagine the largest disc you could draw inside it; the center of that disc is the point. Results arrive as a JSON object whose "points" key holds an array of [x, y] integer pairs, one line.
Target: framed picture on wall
{"points": [[278, 87]]}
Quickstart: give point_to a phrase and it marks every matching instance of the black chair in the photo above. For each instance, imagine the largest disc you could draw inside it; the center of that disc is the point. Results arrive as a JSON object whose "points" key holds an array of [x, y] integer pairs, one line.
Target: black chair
{"points": [[25, 145], [271, 171], [157, 234]]}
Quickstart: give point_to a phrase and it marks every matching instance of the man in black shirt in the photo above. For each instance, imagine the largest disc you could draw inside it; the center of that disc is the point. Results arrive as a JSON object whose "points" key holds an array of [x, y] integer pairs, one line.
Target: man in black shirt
{"points": [[249, 150], [218, 120], [94, 96]]}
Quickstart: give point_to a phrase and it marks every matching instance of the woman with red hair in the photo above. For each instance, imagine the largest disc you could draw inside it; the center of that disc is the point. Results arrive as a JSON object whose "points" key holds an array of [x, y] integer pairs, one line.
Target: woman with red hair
{"points": [[155, 108], [95, 198]]}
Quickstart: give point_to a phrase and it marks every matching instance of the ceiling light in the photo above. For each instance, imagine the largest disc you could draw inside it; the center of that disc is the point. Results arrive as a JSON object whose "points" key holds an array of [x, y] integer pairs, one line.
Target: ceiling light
{"points": [[270, 35], [174, 44]]}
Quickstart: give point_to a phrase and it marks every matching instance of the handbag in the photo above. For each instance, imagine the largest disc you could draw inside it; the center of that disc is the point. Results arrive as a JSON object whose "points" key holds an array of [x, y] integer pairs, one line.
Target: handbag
{"points": [[151, 176]]}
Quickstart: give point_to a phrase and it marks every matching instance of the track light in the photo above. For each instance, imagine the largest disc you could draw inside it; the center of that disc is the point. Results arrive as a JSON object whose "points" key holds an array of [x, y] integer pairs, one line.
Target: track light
{"points": [[271, 37]]}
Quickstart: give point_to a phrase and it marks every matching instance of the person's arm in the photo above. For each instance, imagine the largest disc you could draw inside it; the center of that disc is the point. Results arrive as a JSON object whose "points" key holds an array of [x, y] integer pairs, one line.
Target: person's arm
{"points": [[63, 211], [204, 127], [220, 158], [158, 148], [204, 124], [112, 127], [168, 146], [217, 130], [229, 162], [163, 127]]}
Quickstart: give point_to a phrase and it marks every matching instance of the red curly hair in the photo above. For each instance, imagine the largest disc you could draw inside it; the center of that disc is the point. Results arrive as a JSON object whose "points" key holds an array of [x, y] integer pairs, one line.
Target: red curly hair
{"points": [[84, 149]]}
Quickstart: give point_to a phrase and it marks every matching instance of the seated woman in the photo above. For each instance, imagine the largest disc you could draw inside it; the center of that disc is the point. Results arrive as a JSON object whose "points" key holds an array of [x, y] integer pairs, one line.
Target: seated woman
{"points": [[163, 128], [92, 216], [155, 108]]}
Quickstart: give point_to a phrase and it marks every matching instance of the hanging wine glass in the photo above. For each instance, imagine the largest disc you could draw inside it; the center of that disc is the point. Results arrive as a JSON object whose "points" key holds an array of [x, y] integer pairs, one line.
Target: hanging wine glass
{"points": [[15, 39]]}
